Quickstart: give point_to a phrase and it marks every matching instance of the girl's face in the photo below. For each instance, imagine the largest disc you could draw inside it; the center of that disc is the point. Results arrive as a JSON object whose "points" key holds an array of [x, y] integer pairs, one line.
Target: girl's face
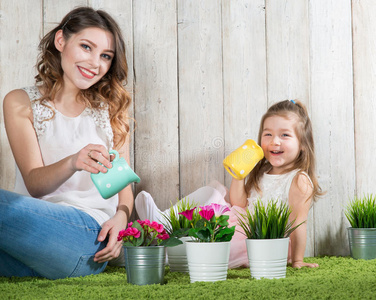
{"points": [[280, 144], [86, 56]]}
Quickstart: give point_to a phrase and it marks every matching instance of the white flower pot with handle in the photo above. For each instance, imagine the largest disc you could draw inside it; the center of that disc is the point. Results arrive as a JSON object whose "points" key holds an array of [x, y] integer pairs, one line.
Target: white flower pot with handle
{"points": [[208, 261], [177, 256], [268, 257]]}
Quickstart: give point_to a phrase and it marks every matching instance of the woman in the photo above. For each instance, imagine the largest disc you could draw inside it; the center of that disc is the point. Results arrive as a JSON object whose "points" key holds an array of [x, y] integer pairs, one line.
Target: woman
{"points": [[57, 225]]}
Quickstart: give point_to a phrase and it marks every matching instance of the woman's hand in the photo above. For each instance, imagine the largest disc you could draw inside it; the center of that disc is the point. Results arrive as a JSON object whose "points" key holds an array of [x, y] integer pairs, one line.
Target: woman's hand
{"points": [[119, 221], [88, 157], [111, 229]]}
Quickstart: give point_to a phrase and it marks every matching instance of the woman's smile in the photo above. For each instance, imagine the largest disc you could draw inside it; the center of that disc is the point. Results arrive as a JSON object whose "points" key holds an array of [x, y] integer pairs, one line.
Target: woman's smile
{"points": [[86, 73]]}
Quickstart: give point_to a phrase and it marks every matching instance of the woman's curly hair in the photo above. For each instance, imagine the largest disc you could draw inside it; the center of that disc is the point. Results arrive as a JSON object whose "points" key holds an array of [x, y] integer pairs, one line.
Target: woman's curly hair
{"points": [[109, 90]]}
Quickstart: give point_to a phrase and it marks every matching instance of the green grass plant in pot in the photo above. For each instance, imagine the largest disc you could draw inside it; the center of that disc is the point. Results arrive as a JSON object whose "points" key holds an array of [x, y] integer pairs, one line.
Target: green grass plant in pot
{"points": [[361, 213], [144, 245], [178, 226], [267, 229], [208, 254]]}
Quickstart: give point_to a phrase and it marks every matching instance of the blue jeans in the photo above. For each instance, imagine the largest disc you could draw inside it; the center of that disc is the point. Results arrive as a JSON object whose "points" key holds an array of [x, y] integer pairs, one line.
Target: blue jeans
{"points": [[39, 238]]}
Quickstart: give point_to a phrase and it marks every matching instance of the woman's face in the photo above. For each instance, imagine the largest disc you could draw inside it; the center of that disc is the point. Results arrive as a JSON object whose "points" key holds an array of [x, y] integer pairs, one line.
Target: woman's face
{"points": [[86, 56]]}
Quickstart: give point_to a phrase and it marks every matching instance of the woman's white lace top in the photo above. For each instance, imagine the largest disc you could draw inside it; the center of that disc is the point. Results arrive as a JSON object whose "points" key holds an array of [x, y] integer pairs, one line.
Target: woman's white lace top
{"points": [[274, 186], [60, 136]]}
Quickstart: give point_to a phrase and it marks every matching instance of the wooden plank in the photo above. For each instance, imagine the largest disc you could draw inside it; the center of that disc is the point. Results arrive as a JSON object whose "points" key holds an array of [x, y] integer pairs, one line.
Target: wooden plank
{"points": [[332, 116], [287, 42], [244, 71], [20, 29], [287, 50], [54, 11], [200, 93], [121, 11], [364, 46], [156, 99]]}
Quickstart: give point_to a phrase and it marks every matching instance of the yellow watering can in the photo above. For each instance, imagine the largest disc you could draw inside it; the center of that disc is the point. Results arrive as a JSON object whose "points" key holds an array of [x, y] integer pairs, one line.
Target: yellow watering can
{"points": [[241, 162]]}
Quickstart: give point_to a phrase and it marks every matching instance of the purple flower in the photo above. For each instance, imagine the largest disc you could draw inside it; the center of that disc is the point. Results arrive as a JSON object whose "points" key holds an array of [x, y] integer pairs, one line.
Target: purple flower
{"points": [[219, 209], [188, 213], [206, 212]]}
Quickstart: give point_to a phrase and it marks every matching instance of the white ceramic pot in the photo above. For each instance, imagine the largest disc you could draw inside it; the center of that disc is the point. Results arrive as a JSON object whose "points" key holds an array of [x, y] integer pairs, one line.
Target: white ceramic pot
{"points": [[268, 258], [208, 261], [177, 256]]}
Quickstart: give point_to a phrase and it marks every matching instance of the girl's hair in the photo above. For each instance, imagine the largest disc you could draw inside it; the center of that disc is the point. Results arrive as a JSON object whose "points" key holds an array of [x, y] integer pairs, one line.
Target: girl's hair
{"points": [[109, 90], [306, 159]]}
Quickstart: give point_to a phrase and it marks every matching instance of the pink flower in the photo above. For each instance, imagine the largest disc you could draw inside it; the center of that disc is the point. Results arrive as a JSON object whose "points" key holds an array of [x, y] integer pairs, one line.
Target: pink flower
{"points": [[131, 231], [144, 233], [121, 235], [163, 236], [158, 227], [206, 212], [188, 213], [219, 209]]}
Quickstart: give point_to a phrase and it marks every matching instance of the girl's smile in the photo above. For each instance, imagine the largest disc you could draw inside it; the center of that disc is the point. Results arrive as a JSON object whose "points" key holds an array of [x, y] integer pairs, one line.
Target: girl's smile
{"points": [[280, 143]]}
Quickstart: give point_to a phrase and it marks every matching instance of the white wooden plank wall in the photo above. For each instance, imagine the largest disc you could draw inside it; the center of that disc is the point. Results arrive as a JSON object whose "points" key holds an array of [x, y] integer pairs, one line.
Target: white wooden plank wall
{"points": [[202, 73], [156, 99], [20, 30], [200, 93], [333, 120], [364, 60]]}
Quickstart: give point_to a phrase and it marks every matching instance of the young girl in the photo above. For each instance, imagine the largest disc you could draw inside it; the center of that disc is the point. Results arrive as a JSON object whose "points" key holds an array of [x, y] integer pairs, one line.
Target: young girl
{"points": [[57, 225], [286, 173]]}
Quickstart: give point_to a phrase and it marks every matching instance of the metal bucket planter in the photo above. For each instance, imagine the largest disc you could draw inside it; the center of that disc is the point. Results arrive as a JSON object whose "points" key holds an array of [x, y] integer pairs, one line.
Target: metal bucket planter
{"points": [[268, 258], [177, 256], [145, 265], [362, 243], [208, 261]]}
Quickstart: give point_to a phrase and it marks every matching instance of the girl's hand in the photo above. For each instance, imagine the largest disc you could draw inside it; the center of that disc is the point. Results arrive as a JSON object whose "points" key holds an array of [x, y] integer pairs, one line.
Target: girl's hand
{"points": [[88, 157], [300, 264], [111, 229], [238, 196]]}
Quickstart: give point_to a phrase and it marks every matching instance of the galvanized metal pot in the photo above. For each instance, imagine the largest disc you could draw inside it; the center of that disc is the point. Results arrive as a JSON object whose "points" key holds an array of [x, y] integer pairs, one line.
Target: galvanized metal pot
{"points": [[145, 265], [362, 242]]}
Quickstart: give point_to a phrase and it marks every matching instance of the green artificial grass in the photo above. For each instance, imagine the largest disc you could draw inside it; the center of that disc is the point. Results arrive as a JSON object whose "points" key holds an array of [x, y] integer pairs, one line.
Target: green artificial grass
{"points": [[336, 278]]}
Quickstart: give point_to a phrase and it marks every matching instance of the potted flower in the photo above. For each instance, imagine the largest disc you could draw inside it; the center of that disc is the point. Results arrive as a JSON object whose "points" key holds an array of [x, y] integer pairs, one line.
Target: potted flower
{"points": [[209, 252], [267, 229], [178, 226], [361, 213], [144, 245]]}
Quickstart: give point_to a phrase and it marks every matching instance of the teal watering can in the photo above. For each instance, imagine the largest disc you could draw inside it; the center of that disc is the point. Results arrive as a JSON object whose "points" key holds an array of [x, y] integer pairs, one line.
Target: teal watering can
{"points": [[116, 178]]}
